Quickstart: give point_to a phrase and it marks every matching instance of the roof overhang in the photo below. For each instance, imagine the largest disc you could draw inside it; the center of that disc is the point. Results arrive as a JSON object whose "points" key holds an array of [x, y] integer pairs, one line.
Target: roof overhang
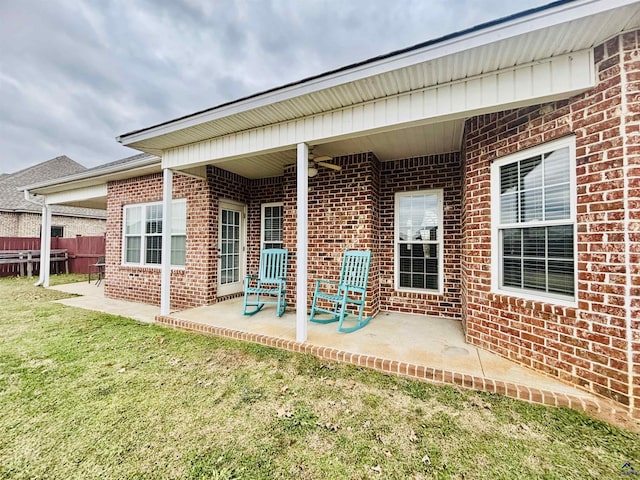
{"points": [[88, 189], [530, 42]]}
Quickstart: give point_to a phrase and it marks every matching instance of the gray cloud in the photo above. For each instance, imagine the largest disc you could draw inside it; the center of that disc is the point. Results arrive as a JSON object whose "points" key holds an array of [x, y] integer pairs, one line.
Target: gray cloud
{"points": [[74, 74]]}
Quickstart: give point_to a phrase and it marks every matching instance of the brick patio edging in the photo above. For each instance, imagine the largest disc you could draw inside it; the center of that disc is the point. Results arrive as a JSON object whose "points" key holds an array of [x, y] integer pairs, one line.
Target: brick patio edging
{"points": [[596, 407]]}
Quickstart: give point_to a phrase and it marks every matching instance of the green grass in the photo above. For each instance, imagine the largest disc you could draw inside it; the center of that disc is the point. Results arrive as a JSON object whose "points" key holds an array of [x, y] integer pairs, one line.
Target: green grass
{"points": [[85, 395]]}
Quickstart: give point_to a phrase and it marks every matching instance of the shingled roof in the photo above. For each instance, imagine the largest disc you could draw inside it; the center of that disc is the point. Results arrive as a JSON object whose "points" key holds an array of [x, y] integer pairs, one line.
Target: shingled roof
{"points": [[12, 199]]}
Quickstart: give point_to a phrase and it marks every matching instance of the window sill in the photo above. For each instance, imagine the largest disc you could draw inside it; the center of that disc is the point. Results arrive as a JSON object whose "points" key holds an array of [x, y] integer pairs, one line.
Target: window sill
{"points": [[137, 266], [535, 302], [419, 291]]}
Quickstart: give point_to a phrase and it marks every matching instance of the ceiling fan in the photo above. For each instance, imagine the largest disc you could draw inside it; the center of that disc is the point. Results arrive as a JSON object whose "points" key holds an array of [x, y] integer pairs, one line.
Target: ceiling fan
{"points": [[322, 162]]}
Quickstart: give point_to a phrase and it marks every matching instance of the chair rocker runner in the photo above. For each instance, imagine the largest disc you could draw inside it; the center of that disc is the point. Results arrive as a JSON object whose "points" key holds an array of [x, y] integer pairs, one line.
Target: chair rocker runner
{"points": [[348, 293], [270, 282]]}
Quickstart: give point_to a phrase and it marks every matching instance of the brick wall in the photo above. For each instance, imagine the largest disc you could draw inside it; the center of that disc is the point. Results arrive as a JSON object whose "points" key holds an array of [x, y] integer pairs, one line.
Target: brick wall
{"points": [[197, 283], [586, 345], [191, 286], [422, 173], [343, 215], [28, 225], [631, 86], [265, 190], [464, 235], [9, 224]]}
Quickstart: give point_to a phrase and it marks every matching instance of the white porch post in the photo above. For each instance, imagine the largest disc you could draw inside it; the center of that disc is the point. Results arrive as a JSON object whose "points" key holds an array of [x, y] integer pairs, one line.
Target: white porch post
{"points": [[302, 241], [165, 278], [45, 246]]}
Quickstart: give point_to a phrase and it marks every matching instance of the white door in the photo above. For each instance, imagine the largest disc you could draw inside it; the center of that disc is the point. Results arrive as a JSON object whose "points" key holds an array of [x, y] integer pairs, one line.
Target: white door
{"points": [[231, 248]]}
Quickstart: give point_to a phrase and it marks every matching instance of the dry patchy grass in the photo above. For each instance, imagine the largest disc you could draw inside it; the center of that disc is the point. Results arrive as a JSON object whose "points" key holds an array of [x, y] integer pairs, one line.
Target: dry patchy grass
{"points": [[86, 395]]}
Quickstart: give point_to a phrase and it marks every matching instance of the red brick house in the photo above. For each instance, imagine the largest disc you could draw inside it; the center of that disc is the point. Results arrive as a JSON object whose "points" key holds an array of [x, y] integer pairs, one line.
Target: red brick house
{"points": [[494, 173]]}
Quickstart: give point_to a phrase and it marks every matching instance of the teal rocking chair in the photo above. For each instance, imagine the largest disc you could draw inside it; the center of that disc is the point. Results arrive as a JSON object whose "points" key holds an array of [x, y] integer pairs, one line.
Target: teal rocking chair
{"points": [[270, 282], [349, 293]]}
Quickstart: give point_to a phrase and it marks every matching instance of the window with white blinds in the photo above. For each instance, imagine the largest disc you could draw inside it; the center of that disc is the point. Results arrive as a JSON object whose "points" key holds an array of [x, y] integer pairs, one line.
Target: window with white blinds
{"points": [[534, 220], [271, 228]]}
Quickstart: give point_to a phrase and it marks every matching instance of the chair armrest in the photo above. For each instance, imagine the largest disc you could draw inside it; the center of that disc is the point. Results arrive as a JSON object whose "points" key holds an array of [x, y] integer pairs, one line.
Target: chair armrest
{"points": [[330, 282]]}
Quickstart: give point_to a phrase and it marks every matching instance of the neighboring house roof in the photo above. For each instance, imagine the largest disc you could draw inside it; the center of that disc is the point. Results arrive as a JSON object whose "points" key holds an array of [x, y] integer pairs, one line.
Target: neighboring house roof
{"points": [[12, 198], [136, 165], [88, 189]]}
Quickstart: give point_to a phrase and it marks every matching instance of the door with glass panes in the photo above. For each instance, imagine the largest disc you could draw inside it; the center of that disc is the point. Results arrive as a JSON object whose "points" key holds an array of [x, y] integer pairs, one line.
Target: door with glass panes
{"points": [[231, 247]]}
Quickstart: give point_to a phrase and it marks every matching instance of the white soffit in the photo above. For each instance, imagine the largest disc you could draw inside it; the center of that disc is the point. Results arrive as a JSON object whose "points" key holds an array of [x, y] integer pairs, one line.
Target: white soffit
{"points": [[80, 196], [443, 137], [541, 35], [538, 82]]}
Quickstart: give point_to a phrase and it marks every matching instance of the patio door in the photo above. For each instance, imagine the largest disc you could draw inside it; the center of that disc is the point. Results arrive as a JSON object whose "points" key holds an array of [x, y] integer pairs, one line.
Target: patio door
{"points": [[231, 247]]}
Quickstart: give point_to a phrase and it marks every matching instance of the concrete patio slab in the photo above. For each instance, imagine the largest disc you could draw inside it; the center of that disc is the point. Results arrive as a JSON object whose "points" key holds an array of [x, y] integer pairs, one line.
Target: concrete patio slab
{"points": [[414, 339], [427, 348], [91, 297]]}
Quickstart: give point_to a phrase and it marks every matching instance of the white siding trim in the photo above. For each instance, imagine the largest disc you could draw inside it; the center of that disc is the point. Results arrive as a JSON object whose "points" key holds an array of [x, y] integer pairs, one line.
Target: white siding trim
{"points": [[79, 194], [537, 82]]}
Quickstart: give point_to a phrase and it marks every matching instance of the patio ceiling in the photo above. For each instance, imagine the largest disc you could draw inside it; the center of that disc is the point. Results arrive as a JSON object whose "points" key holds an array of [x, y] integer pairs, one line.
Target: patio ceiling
{"points": [[443, 137]]}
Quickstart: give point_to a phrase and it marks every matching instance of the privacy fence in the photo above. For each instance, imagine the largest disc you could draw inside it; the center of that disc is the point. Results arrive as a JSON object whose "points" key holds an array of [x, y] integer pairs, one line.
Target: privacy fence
{"points": [[80, 252]]}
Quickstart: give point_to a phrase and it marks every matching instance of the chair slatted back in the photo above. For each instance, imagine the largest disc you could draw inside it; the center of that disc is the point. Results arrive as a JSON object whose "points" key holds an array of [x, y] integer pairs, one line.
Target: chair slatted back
{"points": [[355, 269], [273, 265]]}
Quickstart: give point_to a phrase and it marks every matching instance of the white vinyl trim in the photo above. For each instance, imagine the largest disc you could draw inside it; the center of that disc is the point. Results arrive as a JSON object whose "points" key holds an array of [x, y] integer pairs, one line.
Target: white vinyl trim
{"points": [[165, 276], [537, 82], [522, 25], [302, 240], [496, 225]]}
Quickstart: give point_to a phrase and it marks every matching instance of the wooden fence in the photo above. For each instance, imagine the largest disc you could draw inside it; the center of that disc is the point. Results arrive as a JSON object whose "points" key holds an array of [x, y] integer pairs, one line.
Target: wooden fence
{"points": [[82, 252]]}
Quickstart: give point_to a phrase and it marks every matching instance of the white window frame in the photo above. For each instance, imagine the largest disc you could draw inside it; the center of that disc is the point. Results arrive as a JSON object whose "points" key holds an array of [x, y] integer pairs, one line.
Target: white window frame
{"points": [[263, 207], [496, 226], [439, 242], [142, 234]]}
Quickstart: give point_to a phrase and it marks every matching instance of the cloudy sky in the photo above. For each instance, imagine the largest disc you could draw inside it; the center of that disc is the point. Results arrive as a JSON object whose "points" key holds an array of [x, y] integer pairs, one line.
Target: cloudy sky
{"points": [[74, 74]]}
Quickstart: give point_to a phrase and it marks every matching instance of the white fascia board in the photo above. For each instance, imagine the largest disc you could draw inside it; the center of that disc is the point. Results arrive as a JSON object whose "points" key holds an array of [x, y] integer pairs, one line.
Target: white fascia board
{"points": [[94, 177], [79, 194], [539, 82], [521, 25]]}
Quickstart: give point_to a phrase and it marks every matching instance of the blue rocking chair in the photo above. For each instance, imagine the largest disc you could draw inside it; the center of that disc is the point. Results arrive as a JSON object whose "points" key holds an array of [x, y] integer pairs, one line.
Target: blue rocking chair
{"points": [[349, 292], [270, 282]]}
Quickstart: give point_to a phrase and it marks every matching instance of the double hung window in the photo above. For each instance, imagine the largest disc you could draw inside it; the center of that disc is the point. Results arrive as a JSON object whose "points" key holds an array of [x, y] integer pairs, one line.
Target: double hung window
{"points": [[271, 228], [418, 240], [534, 221], [142, 233]]}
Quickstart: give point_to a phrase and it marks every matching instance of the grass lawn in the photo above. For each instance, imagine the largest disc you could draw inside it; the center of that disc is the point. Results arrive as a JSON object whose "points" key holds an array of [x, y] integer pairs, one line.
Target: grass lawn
{"points": [[88, 395]]}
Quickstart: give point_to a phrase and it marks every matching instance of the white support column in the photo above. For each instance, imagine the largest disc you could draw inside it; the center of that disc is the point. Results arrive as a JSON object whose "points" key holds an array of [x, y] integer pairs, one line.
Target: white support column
{"points": [[165, 278], [45, 246], [302, 243]]}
